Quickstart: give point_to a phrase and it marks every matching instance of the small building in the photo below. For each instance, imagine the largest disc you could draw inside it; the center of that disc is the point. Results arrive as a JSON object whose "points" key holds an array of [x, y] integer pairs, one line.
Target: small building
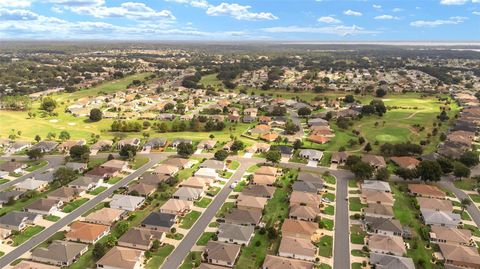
{"points": [[457, 256], [386, 261], [165, 169], [213, 164], [122, 258], [59, 253], [86, 232], [243, 217], [259, 191], [221, 253], [246, 202], [263, 180], [176, 206], [302, 212], [126, 202], [17, 220], [188, 194], [299, 228], [311, 154], [142, 189], [64, 194], [44, 206], [385, 244], [450, 235], [161, 222]]}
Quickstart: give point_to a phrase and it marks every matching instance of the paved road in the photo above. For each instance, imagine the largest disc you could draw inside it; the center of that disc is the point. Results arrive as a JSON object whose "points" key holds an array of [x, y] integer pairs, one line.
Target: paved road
{"points": [[472, 209], [341, 240], [48, 232], [181, 251], [53, 161], [297, 121]]}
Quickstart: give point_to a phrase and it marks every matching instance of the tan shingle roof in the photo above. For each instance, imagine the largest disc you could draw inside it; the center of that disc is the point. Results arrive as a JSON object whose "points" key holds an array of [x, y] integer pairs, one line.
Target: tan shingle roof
{"points": [[276, 262], [297, 246], [387, 243], [121, 257], [86, 231]]}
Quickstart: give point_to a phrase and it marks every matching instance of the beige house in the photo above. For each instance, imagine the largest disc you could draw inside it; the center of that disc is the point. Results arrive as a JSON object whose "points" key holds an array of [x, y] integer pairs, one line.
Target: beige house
{"points": [[297, 248], [122, 258]]}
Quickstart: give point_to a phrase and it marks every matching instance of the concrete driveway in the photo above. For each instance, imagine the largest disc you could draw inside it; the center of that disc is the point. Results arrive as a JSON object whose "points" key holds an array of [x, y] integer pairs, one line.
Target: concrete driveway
{"points": [[312, 164]]}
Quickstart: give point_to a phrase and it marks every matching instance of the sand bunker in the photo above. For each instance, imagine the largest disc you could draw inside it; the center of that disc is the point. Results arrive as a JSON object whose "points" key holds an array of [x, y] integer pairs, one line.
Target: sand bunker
{"points": [[72, 123], [53, 120]]}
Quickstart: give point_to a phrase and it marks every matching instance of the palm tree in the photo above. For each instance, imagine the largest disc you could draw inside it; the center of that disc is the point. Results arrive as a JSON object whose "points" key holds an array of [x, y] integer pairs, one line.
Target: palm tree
{"points": [[464, 203]]}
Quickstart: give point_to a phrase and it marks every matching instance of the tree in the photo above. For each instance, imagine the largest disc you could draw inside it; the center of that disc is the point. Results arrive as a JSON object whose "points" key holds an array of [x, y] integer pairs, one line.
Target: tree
{"points": [[291, 128], [48, 104], [460, 170], [446, 164], [368, 147], [469, 158], [185, 149], [64, 135], [155, 245], [352, 160], [63, 176], [464, 203], [128, 151], [96, 114], [237, 145], [429, 170], [38, 138], [406, 173], [35, 154], [349, 98], [362, 170], [80, 153], [380, 92], [121, 228], [221, 155], [304, 111], [297, 144], [382, 174], [99, 250], [273, 156]]}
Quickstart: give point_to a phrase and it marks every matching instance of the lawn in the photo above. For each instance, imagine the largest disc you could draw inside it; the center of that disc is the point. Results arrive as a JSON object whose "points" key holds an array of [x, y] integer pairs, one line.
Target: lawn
{"points": [[94, 162], [3, 181], [252, 168], [357, 235], [204, 238], [329, 196], [139, 162], [356, 265], [329, 179], [26, 234], [204, 202], [233, 165], [475, 197], [466, 184], [212, 191], [329, 210], [327, 224], [352, 183], [277, 207], [355, 204], [193, 260], [97, 190], [326, 159], [188, 220], [55, 236], [114, 180], [159, 256], [240, 186], [464, 214], [359, 253], [475, 231], [253, 255], [175, 236], [325, 246], [224, 209], [69, 207], [34, 165], [51, 218]]}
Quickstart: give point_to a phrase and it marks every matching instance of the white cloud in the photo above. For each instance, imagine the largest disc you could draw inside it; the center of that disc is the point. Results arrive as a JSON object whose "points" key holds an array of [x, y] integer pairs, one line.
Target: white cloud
{"points": [[397, 9], [77, 3], [352, 13], [476, 13], [329, 19], [239, 12], [129, 10], [15, 3], [376, 6], [57, 9], [453, 2], [386, 17], [193, 3], [435, 23], [340, 30]]}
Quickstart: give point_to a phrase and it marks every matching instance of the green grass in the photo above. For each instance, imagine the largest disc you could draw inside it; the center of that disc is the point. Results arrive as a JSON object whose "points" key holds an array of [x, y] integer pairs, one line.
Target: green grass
{"points": [[139, 162], [55, 236], [464, 214], [51, 218], [329, 196], [69, 207], [193, 260], [204, 238], [204, 202], [94, 162], [330, 179], [212, 191], [253, 168], [355, 204], [175, 236], [327, 224], [325, 246], [466, 184], [323, 266], [475, 197], [253, 255], [188, 220], [474, 229], [326, 159], [359, 253], [159, 256], [3, 181], [233, 165], [34, 165], [213, 224], [224, 209], [97, 190], [352, 183], [329, 210], [277, 207], [226, 174], [356, 265], [357, 235], [188, 172], [240, 186], [26, 234], [114, 180]]}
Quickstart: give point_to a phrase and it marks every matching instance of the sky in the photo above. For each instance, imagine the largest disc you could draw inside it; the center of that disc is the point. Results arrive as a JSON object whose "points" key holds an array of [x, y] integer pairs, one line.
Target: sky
{"points": [[241, 20]]}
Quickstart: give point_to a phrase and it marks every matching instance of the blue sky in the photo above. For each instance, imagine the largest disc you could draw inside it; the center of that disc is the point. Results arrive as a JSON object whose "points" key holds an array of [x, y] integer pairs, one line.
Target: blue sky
{"points": [[310, 20]]}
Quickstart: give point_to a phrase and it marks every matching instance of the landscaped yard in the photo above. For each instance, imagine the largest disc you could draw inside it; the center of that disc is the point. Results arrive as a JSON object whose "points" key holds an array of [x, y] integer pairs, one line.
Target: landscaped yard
{"points": [[51, 218], [34, 165], [357, 235], [240, 186], [188, 220], [475, 197], [352, 183], [97, 190], [327, 224], [114, 180], [69, 207], [204, 238], [233, 165], [26, 234], [139, 162], [359, 253], [159, 256], [204, 202], [325, 246], [464, 214], [329, 179], [329, 210], [330, 196], [224, 209], [466, 184], [193, 260], [355, 204]]}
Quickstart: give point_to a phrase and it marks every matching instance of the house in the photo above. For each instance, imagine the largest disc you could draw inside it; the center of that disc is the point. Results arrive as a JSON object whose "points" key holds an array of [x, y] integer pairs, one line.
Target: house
{"points": [[375, 185], [221, 253], [13, 167], [386, 244], [122, 258], [45, 146], [153, 179], [311, 154], [457, 256], [405, 162], [377, 197], [18, 146], [440, 218], [126, 202], [155, 143], [44, 206], [435, 204], [375, 161], [303, 212], [317, 122], [197, 182], [129, 141], [178, 162], [59, 253], [207, 173], [302, 186], [165, 169], [267, 171], [84, 183], [207, 144], [424, 190], [263, 180], [378, 211], [31, 184], [450, 235], [11, 195], [386, 261], [142, 189], [213, 164], [259, 191], [161, 222], [277, 262], [286, 151], [33, 265], [299, 228], [260, 147], [77, 167], [119, 165], [67, 145], [243, 217], [236, 234], [339, 157], [100, 172], [188, 194], [64, 194], [101, 145], [210, 266], [177, 142], [105, 216], [314, 179], [176, 206], [246, 202], [269, 137], [139, 238], [319, 139], [252, 112], [86, 232], [297, 248], [17, 221], [304, 198], [384, 226]]}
